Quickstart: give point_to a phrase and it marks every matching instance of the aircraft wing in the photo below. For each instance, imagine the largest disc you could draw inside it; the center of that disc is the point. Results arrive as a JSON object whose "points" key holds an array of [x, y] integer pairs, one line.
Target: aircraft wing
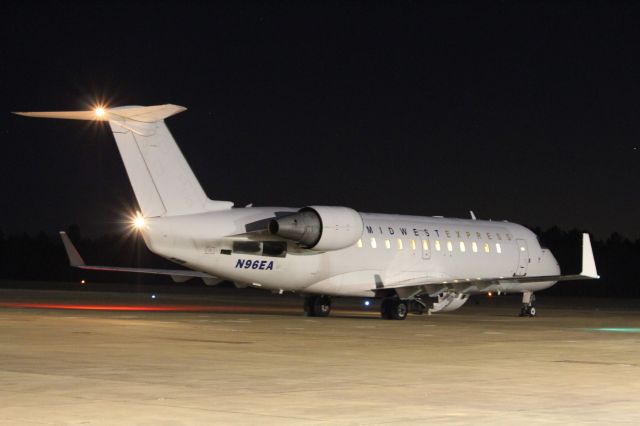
{"points": [[178, 275], [432, 285]]}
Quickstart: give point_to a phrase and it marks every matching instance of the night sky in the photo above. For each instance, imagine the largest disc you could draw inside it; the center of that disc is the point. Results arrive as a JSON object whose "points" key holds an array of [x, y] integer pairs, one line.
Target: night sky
{"points": [[526, 111]]}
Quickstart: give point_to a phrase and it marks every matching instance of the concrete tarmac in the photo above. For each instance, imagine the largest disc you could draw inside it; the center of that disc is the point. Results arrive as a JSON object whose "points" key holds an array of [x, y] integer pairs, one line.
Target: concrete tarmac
{"points": [[243, 357]]}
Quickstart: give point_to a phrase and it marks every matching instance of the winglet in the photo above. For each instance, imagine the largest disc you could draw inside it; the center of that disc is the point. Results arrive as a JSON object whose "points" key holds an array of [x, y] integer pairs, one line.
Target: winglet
{"points": [[588, 262], [74, 257]]}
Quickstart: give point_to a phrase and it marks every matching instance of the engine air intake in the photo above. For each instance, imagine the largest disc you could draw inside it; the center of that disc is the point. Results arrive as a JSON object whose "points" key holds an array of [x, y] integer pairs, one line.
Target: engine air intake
{"points": [[320, 228]]}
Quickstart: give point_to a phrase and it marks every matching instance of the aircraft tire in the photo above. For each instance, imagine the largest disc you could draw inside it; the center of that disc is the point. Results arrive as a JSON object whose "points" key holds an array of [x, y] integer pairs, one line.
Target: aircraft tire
{"points": [[385, 308], [322, 306], [309, 306], [399, 310]]}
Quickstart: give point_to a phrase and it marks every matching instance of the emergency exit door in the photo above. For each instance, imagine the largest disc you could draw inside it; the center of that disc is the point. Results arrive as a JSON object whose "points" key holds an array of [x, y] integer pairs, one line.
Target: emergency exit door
{"points": [[523, 258]]}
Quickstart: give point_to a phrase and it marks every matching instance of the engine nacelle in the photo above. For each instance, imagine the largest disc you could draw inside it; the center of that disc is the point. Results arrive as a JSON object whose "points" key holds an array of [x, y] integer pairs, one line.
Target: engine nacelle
{"points": [[320, 228]]}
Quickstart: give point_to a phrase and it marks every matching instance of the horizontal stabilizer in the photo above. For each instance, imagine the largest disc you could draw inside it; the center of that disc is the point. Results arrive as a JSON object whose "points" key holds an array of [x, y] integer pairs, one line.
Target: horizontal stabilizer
{"points": [[161, 178], [143, 114], [76, 261]]}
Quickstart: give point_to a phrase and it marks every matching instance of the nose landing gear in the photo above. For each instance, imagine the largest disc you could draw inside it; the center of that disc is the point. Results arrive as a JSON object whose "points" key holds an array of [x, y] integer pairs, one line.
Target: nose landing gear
{"points": [[528, 310]]}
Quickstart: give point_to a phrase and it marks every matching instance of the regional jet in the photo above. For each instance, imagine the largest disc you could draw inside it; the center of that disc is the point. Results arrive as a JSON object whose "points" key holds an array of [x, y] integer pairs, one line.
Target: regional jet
{"points": [[318, 251]]}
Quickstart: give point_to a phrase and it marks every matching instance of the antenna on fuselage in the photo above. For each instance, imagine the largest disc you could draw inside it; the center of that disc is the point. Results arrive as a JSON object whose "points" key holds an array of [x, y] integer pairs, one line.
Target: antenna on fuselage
{"points": [[473, 215]]}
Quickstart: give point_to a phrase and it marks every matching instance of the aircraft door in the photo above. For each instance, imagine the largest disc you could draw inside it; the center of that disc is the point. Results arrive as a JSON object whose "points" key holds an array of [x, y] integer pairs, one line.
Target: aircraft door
{"points": [[523, 258]]}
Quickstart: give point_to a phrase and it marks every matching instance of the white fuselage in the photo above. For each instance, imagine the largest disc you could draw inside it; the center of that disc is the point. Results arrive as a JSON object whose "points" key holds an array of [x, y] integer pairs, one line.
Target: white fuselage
{"points": [[319, 249], [392, 248]]}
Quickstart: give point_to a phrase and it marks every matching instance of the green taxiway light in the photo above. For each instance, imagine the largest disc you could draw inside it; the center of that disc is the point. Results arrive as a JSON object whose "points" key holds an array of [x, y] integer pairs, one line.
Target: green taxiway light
{"points": [[619, 329]]}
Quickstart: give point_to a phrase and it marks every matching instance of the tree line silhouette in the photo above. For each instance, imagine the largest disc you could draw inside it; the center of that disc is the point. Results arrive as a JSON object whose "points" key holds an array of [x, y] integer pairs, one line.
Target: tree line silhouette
{"points": [[42, 257]]}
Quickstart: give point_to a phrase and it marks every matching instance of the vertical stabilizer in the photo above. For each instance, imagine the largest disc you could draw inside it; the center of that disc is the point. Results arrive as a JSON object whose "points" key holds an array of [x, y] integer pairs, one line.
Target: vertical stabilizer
{"points": [[159, 174]]}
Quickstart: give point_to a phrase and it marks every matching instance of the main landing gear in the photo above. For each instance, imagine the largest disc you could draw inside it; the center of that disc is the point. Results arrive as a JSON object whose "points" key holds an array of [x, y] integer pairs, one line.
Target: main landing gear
{"points": [[317, 306], [394, 308], [528, 310]]}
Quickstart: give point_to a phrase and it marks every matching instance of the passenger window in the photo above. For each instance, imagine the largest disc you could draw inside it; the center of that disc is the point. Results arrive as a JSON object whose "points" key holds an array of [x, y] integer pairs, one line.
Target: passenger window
{"points": [[474, 247], [387, 243], [462, 247], [373, 242], [437, 245], [400, 245], [413, 245], [449, 246], [498, 248], [486, 247], [425, 245]]}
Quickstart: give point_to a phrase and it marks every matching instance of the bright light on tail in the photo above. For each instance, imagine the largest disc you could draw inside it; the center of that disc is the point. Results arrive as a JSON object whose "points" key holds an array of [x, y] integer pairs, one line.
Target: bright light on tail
{"points": [[138, 222]]}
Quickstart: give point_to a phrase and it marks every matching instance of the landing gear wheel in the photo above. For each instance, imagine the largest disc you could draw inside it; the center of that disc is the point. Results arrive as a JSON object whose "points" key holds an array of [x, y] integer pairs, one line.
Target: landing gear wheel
{"points": [[308, 306], [528, 310], [322, 306], [386, 308], [399, 310], [317, 306], [393, 308]]}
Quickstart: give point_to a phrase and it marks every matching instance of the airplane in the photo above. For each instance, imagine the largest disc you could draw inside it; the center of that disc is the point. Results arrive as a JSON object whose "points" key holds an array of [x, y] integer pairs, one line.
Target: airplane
{"points": [[318, 251]]}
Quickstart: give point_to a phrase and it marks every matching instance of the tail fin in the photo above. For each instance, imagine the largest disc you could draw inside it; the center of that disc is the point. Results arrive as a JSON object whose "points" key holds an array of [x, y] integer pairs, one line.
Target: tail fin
{"points": [[159, 174]]}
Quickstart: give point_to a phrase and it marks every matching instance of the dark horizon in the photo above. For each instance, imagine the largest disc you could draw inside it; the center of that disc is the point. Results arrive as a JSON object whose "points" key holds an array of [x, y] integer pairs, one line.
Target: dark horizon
{"points": [[523, 111]]}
